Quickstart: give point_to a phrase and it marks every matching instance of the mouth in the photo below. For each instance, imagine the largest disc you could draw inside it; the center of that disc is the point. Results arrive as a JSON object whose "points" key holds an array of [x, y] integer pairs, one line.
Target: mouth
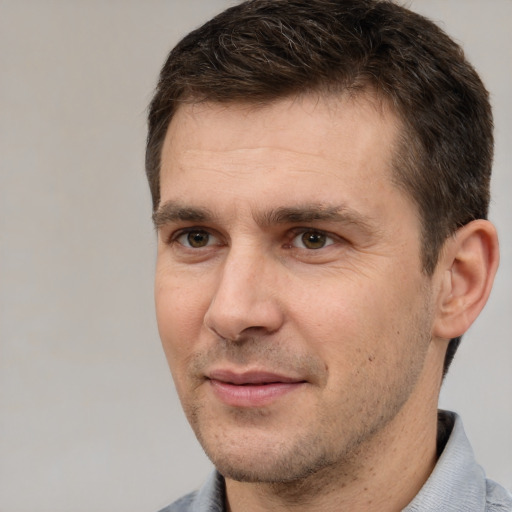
{"points": [[253, 388]]}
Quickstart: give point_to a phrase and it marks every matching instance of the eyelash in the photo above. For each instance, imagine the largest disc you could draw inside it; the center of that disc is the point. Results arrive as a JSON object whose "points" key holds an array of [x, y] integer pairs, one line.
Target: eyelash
{"points": [[327, 237], [174, 238]]}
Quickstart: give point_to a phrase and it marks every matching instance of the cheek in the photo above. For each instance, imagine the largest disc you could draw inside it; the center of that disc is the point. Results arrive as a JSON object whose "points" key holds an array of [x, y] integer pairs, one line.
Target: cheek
{"points": [[351, 322], [180, 310]]}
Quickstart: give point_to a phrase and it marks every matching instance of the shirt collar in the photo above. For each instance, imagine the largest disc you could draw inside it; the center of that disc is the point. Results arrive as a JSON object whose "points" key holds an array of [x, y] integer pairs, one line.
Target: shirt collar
{"points": [[457, 483]]}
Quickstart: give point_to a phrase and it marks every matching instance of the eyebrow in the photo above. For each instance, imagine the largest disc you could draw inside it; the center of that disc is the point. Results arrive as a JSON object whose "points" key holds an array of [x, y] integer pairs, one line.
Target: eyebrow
{"points": [[314, 213], [172, 211]]}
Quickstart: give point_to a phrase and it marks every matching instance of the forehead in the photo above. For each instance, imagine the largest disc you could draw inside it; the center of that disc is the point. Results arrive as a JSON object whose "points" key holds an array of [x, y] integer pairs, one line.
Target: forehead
{"points": [[314, 109], [308, 148]]}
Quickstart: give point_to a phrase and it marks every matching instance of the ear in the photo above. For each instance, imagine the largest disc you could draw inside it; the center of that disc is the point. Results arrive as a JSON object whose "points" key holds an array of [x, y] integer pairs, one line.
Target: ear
{"points": [[466, 268]]}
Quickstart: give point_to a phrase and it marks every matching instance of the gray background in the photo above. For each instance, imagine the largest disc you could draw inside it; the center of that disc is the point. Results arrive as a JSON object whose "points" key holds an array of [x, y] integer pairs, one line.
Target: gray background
{"points": [[88, 417]]}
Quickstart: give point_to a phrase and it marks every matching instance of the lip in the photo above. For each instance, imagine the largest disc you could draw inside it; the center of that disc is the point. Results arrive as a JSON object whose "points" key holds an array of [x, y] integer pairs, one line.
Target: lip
{"points": [[252, 388]]}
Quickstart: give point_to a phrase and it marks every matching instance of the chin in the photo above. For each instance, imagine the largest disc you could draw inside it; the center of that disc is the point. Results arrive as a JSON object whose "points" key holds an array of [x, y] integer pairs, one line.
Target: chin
{"points": [[278, 472], [267, 462]]}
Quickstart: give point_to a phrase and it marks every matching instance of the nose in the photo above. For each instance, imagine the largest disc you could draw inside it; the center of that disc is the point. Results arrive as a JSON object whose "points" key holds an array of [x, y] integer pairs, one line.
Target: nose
{"points": [[246, 298]]}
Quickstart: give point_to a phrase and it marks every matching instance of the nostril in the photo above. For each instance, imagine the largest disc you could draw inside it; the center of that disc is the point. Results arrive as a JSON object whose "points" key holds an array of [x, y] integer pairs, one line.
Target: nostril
{"points": [[247, 334]]}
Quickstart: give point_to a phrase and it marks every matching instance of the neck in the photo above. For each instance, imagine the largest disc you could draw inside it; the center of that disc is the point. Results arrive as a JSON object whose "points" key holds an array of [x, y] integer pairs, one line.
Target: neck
{"points": [[384, 475]]}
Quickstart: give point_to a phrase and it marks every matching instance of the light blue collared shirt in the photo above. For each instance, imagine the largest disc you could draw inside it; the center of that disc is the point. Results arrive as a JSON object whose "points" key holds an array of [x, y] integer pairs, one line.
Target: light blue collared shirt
{"points": [[457, 484]]}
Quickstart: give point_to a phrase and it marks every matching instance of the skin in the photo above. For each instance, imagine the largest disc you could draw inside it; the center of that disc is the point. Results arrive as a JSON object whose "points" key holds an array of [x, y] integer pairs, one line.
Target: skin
{"points": [[284, 248]]}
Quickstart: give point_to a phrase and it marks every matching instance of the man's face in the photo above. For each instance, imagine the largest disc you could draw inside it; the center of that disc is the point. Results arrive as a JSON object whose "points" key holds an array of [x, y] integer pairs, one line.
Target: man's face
{"points": [[290, 299]]}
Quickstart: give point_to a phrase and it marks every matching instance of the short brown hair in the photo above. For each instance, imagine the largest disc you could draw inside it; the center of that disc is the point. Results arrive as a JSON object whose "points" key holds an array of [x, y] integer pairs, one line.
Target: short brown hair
{"points": [[263, 50]]}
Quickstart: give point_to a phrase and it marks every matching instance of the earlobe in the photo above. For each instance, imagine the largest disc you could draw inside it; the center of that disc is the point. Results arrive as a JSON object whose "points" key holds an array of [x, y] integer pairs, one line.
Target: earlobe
{"points": [[466, 268]]}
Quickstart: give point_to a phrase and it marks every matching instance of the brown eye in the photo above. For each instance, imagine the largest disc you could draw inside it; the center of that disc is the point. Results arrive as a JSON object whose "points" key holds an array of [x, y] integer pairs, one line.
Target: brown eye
{"points": [[196, 239], [312, 240]]}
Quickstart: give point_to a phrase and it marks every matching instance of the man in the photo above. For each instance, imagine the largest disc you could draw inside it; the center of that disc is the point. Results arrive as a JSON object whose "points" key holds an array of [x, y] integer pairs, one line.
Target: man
{"points": [[320, 180]]}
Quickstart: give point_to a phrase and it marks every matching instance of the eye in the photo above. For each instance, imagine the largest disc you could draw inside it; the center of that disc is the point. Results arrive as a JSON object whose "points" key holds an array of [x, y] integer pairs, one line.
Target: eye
{"points": [[197, 239], [312, 240]]}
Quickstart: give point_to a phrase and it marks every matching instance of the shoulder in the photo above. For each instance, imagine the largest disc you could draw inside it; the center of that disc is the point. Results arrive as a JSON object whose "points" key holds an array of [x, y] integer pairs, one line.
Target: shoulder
{"points": [[497, 499], [184, 504], [209, 498]]}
